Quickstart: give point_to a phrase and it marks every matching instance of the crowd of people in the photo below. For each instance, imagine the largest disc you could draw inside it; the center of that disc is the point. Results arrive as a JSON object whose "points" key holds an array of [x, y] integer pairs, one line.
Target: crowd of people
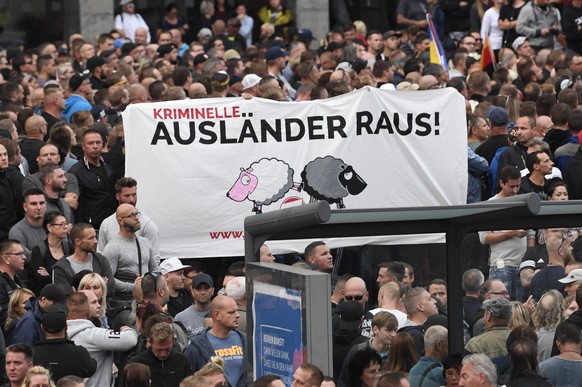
{"points": [[86, 299]]}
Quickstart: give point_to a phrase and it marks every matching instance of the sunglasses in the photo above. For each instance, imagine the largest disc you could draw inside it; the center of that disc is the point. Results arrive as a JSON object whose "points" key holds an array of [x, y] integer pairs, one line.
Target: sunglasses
{"points": [[352, 298], [155, 275]]}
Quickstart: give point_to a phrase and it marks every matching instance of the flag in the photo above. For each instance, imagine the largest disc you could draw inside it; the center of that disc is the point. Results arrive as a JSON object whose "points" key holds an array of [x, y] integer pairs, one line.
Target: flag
{"points": [[487, 57], [437, 54]]}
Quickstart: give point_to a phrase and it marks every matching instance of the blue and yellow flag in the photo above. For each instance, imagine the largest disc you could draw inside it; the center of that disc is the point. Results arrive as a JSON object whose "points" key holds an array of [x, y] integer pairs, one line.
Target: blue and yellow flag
{"points": [[437, 54]]}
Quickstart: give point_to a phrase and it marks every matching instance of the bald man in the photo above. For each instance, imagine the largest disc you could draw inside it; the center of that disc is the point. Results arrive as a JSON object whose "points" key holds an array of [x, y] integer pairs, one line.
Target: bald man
{"points": [[356, 290], [35, 127], [129, 255], [223, 339]]}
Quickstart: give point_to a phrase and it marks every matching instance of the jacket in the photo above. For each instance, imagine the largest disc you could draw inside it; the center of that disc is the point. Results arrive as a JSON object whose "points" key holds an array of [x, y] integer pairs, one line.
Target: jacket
{"points": [[7, 287], [71, 359], [200, 351], [10, 205], [100, 343], [63, 273], [532, 19], [164, 373], [572, 176], [75, 103], [28, 330]]}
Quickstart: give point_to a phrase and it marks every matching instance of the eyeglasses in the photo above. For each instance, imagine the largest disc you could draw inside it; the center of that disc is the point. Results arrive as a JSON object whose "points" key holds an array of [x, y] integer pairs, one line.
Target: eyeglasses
{"points": [[133, 215], [63, 225], [352, 298], [20, 254]]}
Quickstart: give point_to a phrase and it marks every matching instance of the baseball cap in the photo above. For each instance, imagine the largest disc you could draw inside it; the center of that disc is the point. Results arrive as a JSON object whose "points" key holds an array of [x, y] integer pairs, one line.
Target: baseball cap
{"points": [[95, 61], [172, 264], [575, 275], [498, 307], [119, 42], [128, 47], [231, 54], [390, 33], [274, 53], [77, 79], [165, 49], [518, 42], [563, 83], [498, 116], [305, 34], [200, 58], [54, 318], [204, 33], [202, 278], [250, 80], [54, 293]]}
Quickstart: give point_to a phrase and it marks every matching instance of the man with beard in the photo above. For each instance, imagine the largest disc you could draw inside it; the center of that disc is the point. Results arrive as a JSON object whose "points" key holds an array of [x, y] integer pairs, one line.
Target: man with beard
{"points": [[193, 316], [54, 181], [98, 75], [129, 255], [126, 193], [85, 257]]}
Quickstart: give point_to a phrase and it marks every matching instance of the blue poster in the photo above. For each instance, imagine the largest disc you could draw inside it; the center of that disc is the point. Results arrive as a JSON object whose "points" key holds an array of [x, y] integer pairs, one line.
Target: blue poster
{"points": [[277, 334]]}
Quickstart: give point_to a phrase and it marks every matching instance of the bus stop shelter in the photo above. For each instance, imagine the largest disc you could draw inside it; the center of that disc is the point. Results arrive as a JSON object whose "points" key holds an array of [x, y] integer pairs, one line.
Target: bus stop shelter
{"points": [[316, 221]]}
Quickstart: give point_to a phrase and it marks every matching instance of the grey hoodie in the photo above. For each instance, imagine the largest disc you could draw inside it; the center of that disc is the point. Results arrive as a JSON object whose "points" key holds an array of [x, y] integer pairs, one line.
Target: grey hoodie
{"points": [[100, 343]]}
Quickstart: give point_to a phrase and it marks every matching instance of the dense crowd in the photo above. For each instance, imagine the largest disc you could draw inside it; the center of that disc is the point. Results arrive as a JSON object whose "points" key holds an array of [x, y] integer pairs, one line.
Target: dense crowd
{"points": [[85, 298]]}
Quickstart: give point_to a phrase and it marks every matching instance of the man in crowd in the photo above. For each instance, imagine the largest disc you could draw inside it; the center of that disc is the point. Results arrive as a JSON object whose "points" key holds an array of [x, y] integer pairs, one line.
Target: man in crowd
{"points": [[223, 339], [193, 316], [180, 297]]}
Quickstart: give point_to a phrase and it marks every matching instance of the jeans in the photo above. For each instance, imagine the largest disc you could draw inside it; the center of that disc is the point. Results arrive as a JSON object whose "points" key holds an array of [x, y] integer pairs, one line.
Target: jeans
{"points": [[510, 277]]}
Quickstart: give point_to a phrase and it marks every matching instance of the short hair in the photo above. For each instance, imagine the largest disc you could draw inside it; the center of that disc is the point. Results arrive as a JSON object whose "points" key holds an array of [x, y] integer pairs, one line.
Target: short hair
{"points": [[531, 91], [71, 380], [384, 319], [412, 297], [316, 375], [50, 217], [396, 268], [136, 375], [569, 97], [482, 365], [157, 89], [560, 113], [310, 249], [389, 379], [566, 332], [10, 146], [531, 159], [575, 121], [478, 81], [486, 286], [180, 76], [46, 171], [509, 172], [472, 280], [544, 104], [124, 182], [380, 67], [33, 192], [437, 281], [78, 230], [22, 348], [265, 380], [161, 332], [434, 335], [7, 244], [236, 288]]}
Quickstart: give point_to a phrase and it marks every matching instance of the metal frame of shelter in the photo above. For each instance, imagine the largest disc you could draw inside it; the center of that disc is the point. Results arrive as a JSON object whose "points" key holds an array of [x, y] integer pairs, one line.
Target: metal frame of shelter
{"points": [[317, 221]]}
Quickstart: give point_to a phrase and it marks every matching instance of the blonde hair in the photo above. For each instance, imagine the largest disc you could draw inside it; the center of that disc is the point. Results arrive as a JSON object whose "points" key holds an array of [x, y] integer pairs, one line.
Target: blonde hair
{"points": [[214, 367], [14, 303], [519, 316], [90, 279], [37, 370]]}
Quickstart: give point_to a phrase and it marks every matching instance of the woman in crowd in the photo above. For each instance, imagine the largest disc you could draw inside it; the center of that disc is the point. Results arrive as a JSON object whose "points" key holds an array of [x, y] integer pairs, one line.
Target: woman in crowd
{"points": [[16, 309], [38, 376], [95, 283], [45, 255], [402, 356]]}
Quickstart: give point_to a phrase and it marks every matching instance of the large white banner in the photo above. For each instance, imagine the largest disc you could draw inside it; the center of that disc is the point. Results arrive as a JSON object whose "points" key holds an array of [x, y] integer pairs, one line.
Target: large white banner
{"points": [[203, 165]]}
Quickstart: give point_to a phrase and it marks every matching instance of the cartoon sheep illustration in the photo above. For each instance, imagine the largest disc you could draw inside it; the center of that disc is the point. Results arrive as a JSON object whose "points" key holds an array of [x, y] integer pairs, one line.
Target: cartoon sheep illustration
{"points": [[263, 182], [331, 179]]}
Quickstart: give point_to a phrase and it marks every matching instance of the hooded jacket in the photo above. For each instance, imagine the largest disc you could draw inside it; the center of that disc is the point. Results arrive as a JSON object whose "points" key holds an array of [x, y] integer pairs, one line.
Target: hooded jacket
{"points": [[27, 329], [100, 343]]}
